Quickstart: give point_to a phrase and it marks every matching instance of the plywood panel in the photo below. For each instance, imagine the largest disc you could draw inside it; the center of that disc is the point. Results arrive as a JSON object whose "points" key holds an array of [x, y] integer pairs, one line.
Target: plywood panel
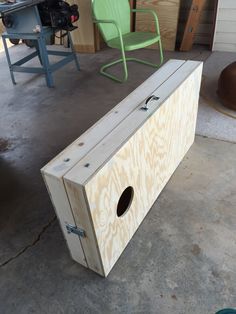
{"points": [[55, 170], [142, 152], [84, 37], [63, 162], [168, 13]]}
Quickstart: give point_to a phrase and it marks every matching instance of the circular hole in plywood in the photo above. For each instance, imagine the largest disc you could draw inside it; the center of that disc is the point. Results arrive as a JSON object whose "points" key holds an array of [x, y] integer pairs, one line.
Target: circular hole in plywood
{"points": [[125, 201]]}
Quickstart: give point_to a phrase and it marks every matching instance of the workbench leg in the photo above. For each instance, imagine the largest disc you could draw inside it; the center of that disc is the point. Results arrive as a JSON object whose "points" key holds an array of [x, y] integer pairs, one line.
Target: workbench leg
{"points": [[38, 52], [73, 50], [45, 61], [8, 60]]}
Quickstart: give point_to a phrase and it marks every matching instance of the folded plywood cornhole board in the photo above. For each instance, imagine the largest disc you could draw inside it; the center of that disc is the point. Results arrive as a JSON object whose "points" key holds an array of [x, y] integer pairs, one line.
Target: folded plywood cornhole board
{"points": [[103, 185]]}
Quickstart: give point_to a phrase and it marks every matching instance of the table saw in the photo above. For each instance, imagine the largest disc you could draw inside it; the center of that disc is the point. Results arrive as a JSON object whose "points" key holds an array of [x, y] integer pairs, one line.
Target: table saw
{"points": [[38, 21]]}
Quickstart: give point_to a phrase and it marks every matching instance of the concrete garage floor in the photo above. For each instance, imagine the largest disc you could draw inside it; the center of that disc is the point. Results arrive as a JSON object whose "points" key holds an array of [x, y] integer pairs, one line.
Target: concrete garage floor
{"points": [[182, 258]]}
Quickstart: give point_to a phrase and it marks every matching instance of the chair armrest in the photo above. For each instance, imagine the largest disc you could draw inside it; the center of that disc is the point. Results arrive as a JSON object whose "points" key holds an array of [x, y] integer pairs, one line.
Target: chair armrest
{"points": [[106, 21], [149, 11], [109, 22], [116, 25]]}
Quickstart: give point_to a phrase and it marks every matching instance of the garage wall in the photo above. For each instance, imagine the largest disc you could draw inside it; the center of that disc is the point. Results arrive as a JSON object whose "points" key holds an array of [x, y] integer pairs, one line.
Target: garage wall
{"points": [[168, 14], [225, 30]]}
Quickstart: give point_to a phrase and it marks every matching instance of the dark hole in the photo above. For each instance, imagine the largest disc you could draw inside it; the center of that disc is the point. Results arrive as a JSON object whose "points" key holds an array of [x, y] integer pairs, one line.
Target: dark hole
{"points": [[125, 201]]}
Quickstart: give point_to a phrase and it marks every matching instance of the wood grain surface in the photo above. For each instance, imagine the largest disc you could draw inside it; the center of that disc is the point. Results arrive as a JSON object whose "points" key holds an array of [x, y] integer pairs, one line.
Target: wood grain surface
{"points": [[167, 12], [143, 156], [84, 36], [56, 169], [205, 28], [192, 24], [72, 154], [64, 214]]}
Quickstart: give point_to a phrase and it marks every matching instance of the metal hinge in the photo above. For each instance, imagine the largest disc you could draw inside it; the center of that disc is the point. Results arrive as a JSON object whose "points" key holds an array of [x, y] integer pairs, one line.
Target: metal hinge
{"points": [[74, 229]]}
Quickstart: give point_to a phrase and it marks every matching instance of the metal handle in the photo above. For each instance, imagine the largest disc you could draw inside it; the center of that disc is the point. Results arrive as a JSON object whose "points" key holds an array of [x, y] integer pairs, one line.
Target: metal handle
{"points": [[151, 98]]}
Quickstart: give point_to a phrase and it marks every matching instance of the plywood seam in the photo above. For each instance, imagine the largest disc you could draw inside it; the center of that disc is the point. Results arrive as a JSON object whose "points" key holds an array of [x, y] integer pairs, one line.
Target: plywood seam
{"points": [[118, 148], [117, 125], [101, 139], [98, 143]]}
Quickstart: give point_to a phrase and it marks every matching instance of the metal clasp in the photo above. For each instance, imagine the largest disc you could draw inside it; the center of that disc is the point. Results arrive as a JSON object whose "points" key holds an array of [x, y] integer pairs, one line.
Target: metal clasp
{"points": [[74, 229]]}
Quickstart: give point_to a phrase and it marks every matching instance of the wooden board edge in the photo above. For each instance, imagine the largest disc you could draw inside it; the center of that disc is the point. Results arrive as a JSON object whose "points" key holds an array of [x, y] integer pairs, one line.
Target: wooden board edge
{"points": [[59, 199], [82, 172], [216, 13], [85, 48], [109, 117], [81, 212], [192, 23]]}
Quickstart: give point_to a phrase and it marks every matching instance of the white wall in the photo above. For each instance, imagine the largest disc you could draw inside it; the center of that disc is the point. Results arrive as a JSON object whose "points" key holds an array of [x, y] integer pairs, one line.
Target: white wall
{"points": [[225, 31]]}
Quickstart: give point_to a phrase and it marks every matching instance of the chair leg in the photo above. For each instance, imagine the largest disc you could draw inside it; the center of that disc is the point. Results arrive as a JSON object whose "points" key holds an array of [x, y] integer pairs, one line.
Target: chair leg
{"points": [[124, 60], [161, 51], [154, 65], [114, 78]]}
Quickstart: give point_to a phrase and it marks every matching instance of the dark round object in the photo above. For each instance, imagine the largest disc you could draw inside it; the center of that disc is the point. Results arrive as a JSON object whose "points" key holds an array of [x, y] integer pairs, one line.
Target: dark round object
{"points": [[14, 41], [227, 86], [8, 21], [227, 311], [30, 43]]}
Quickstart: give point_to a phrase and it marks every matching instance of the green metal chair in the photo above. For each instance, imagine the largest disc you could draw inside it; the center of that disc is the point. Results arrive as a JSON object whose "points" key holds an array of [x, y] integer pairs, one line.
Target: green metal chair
{"points": [[113, 19]]}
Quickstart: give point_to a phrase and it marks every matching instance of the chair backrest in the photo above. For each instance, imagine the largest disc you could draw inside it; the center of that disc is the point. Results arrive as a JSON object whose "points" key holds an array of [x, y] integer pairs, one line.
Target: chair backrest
{"points": [[117, 10]]}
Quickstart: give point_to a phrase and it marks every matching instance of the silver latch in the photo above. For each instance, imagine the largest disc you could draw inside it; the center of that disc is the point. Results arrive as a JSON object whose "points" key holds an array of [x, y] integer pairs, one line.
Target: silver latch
{"points": [[74, 229]]}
